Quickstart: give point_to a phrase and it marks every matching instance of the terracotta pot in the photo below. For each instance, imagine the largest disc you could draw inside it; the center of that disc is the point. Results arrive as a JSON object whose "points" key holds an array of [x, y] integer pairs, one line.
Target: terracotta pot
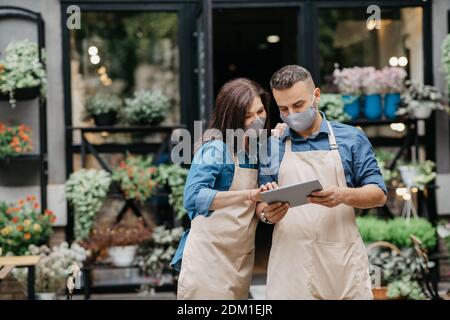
{"points": [[380, 293]]}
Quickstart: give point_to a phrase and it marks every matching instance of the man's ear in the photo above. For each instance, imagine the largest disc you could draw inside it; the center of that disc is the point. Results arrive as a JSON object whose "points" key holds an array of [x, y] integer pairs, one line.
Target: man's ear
{"points": [[317, 96]]}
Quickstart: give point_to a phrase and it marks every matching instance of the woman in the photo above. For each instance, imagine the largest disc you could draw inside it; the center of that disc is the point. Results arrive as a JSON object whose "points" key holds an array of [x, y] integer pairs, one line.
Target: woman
{"points": [[216, 255]]}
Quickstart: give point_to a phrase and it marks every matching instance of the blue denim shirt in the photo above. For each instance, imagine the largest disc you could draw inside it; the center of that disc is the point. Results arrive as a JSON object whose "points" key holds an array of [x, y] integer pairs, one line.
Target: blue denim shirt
{"points": [[357, 155], [212, 170]]}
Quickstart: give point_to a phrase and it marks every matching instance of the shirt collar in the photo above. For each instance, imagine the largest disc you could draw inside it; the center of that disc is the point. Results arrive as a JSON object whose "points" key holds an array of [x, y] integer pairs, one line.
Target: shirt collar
{"points": [[322, 130]]}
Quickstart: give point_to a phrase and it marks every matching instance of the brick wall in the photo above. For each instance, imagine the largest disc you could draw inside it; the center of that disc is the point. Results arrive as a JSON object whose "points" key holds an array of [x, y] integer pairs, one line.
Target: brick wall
{"points": [[11, 289]]}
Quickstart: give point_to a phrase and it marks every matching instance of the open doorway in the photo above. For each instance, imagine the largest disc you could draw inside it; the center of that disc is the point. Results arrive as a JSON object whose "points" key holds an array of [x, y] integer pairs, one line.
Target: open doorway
{"points": [[254, 43]]}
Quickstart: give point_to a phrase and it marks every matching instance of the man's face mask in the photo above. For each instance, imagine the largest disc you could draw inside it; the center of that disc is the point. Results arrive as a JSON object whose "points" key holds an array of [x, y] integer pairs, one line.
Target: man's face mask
{"points": [[301, 121], [255, 128]]}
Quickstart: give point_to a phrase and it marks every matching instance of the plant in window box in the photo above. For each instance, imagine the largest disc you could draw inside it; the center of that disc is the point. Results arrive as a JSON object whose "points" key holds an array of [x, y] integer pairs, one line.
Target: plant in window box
{"points": [[348, 82], [24, 224], [173, 176], [394, 84], [22, 75], [154, 256], [420, 100], [136, 176], [14, 140], [147, 107], [333, 106], [85, 191], [52, 269], [103, 108]]}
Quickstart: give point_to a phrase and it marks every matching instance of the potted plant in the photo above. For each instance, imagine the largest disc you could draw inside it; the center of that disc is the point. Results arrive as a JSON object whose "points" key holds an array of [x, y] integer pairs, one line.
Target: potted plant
{"points": [[372, 84], [14, 140], [333, 107], [118, 242], [443, 230], [173, 176], [103, 108], [398, 269], [136, 177], [52, 270], [348, 82], [85, 190], [24, 224], [154, 255], [400, 230], [445, 48], [148, 107], [393, 81], [420, 100], [22, 75]]}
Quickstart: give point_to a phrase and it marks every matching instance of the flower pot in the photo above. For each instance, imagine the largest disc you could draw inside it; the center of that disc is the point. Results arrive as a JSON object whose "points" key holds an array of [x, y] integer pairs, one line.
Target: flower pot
{"points": [[105, 119], [22, 94], [422, 111], [372, 106], [45, 296], [351, 105], [391, 102], [380, 293], [122, 256]]}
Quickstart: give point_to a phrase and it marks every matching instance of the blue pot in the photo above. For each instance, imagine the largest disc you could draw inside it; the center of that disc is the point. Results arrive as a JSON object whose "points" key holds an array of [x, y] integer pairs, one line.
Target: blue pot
{"points": [[391, 102], [351, 105], [372, 106]]}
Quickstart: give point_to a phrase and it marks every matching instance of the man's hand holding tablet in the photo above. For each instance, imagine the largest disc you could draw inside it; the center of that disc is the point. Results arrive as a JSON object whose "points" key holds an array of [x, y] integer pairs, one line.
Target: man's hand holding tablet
{"points": [[274, 212]]}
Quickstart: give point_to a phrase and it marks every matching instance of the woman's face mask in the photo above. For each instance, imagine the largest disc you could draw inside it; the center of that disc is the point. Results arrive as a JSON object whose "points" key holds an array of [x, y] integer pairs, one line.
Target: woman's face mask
{"points": [[300, 121], [257, 125]]}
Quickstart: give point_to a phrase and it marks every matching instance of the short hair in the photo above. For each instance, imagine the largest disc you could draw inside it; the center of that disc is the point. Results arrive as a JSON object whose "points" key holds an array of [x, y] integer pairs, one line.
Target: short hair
{"points": [[287, 76]]}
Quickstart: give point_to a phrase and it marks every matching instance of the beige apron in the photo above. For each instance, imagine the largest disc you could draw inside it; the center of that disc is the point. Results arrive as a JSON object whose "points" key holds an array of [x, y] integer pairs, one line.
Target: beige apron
{"points": [[317, 252], [219, 253]]}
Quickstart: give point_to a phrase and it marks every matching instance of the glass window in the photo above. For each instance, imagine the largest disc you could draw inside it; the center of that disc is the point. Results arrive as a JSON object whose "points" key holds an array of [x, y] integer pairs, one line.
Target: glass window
{"points": [[122, 52], [346, 39]]}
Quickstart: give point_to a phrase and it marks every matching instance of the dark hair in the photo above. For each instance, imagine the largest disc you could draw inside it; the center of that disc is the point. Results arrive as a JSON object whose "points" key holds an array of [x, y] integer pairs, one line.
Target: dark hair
{"points": [[287, 76], [232, 102]]}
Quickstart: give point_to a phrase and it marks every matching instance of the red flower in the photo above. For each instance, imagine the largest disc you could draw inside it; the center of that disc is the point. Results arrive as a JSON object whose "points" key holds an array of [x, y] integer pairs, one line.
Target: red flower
{"points": [[48, 212], [15, 219], [36, 206]]}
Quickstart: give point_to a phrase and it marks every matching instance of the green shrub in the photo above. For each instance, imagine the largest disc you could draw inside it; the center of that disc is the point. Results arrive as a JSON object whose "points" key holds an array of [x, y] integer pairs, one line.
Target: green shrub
{"points": [[400, 229], [372, 229]]}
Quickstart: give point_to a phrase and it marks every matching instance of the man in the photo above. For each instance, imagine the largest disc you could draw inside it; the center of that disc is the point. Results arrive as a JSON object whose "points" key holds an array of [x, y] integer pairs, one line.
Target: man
{"points": [[317, 251]]}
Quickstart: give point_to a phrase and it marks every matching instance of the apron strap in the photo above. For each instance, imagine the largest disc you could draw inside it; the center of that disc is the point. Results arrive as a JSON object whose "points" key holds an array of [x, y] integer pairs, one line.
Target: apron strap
{"points": [[288, 147], [332, 138]]}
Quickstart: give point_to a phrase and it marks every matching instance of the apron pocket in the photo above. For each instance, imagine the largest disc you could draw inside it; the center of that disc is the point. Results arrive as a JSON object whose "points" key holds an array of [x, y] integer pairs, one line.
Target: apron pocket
{"points": [[333, 270]]}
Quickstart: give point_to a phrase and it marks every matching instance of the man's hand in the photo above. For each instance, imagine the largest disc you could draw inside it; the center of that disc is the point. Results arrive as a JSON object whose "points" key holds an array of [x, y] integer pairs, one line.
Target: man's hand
{"points": [[330, 196], [275, 211]]}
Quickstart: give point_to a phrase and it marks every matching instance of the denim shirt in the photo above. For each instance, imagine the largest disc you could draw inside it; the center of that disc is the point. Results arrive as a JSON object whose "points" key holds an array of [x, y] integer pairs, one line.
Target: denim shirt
{"points": [[212, 170], [357, 155]]}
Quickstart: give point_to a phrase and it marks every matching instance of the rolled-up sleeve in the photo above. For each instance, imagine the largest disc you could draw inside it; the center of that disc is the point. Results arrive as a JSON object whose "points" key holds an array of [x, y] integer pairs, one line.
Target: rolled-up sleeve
{"points": [[365, 166], [207, 165]]}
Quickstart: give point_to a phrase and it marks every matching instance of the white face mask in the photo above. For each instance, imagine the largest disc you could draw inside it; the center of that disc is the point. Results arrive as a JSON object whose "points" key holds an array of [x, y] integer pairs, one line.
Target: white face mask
{"points": [[301, 121], [253, 130]]}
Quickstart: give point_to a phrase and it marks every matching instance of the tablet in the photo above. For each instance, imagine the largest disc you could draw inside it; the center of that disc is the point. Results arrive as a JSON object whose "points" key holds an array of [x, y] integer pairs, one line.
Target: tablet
{"points": [[294, 194]]}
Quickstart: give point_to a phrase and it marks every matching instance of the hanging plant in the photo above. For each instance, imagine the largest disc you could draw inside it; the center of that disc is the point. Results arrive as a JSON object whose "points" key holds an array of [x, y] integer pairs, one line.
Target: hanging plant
{"points": [[85, 190], [14, 140], [446, 60], [21, 69]]}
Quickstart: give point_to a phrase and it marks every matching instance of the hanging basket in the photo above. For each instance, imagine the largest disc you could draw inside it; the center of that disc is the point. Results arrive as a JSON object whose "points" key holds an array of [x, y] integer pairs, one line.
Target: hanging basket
{"points": [[22, 94]]}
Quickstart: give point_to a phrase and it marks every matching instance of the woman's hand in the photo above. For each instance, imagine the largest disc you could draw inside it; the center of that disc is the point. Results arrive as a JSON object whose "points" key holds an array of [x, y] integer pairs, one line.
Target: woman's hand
{"points": [[279, 130], [255, 194]]}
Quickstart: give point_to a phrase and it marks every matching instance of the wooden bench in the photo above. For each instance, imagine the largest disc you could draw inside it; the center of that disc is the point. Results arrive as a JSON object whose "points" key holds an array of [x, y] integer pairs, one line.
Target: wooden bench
{"points": [[11, 262]]}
